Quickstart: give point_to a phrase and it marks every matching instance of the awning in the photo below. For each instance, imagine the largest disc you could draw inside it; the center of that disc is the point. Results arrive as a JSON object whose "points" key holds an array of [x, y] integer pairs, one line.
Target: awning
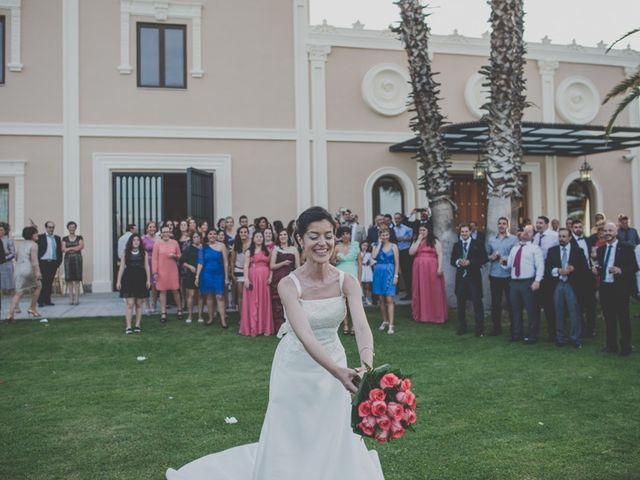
{"points": [[558, 139]]}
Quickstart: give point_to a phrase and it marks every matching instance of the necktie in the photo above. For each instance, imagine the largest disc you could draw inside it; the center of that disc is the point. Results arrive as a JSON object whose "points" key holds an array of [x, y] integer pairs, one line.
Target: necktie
{"points": [[517, 260], [564, 260], [465, 248], [540, 239], [606, 261]]}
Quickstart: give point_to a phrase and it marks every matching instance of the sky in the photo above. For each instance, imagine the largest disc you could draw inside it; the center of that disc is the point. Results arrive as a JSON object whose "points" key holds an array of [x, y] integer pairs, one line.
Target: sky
{"points": [[586, 21]]}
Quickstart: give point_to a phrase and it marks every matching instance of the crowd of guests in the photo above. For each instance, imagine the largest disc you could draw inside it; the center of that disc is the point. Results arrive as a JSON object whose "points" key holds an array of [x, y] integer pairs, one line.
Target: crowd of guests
{"points": [[31, 266]]}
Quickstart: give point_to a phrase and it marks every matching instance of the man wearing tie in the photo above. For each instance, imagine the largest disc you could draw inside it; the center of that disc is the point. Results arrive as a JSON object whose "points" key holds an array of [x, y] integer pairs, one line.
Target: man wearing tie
{"points": [[587, 288], [566, 266], [617, 266], [49, 257], [467, 257], [545, 238], [527, 270]]}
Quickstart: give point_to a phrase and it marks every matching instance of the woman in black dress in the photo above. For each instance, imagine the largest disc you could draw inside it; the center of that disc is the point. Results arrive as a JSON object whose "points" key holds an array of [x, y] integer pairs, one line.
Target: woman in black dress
{"points": [[133, 280], [72, 246], [189, 262]]}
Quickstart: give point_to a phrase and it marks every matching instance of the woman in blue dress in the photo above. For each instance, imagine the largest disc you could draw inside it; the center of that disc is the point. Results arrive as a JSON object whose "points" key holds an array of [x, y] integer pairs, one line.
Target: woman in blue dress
{"points": [[385, 278], [211, 275]]}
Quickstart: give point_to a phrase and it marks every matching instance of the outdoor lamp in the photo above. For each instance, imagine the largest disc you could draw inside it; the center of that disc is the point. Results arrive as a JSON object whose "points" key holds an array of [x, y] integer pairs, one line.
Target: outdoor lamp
{"points": [[585, 171], [479, 169]]}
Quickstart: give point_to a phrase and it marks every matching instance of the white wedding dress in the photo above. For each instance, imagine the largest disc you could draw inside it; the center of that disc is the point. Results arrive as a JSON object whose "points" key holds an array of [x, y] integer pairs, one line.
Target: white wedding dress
{"points": [[306, 434]]}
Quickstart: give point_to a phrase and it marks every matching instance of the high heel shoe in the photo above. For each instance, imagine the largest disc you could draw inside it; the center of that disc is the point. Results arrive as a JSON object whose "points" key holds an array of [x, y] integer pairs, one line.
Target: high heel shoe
{"points": [[33, 313], [383, 326], [10, 319]]}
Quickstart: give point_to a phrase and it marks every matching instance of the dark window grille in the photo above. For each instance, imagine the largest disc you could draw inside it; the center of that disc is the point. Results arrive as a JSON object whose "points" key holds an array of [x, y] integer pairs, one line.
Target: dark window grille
{"points": [[162, 55]]}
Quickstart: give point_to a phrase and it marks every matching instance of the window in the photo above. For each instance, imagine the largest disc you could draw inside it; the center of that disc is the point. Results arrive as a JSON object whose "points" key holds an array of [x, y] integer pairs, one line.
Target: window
{"points": [[388, 196], [162, 56], [579, 203], [4, 202], [2, 35]]}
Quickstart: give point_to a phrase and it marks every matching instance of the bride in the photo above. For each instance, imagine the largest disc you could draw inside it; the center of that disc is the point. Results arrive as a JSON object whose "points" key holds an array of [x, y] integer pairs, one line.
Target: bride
{"points": [[306, 432]]}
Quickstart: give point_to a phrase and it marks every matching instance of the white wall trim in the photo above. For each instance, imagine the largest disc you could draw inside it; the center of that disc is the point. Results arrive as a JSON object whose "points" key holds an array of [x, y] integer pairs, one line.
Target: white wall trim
{"points": [[597, 206], [171, 131], [551, 183], [161, 10], [404, 179], [15, 8], [318, 60], [367, 136], [302, 100], [535, 186], [457, 44], [106, 163], [547, 70], [15, 169], [71, 111], [32, 129]]}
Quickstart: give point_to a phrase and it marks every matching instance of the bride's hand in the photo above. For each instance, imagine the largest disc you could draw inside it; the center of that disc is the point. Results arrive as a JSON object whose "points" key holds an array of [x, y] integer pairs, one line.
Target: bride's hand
{"points": [[346, 377]]}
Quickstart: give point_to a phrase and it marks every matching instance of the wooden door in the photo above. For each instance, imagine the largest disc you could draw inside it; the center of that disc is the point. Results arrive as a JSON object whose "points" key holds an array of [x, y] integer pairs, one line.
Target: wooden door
{"points": [[471, 199]]}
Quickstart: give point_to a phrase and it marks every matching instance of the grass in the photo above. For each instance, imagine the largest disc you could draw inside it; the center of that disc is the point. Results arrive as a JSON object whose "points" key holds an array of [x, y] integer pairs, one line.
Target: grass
{"points": [[77, 404]]}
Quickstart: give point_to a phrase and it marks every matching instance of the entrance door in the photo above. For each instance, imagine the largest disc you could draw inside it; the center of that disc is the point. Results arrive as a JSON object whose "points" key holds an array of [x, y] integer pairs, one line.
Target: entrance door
{"points": [[200, 195]]}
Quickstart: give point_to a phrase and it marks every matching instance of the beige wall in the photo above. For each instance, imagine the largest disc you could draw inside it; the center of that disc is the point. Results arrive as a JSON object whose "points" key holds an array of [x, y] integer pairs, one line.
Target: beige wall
{"points": [[263, 175], [34, 95], [42, 179], [247, 56]]}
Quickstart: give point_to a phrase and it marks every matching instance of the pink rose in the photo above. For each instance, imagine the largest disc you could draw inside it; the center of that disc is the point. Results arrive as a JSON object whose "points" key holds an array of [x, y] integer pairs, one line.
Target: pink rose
{"points": [[400, 396], [378, 408], [364, 408], [409, 416], [384, 423], [397, 432], [366, 429], [395, 410], [370, 420], [410, 399], [405, 385], [382, 436], [389, 380], [376, 394]]}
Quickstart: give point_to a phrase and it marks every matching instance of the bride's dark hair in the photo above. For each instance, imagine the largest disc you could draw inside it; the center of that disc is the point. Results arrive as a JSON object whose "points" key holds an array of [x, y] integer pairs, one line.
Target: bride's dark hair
{"points": [[310, 215]]}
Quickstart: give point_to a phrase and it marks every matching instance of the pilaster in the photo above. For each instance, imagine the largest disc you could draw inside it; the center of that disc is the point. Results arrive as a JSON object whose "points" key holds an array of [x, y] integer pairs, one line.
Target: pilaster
{"points": [[318, 60], [547, 69]]}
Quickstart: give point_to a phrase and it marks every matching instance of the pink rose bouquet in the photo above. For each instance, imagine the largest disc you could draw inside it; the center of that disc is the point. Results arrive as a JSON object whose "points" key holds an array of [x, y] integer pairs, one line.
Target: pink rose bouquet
{"points": [[384, 407]]}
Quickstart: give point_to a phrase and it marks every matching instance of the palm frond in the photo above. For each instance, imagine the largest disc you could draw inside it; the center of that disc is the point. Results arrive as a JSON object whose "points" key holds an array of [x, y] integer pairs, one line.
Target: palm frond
{"points": [[628, 34], [628, 83], [635, 93]]}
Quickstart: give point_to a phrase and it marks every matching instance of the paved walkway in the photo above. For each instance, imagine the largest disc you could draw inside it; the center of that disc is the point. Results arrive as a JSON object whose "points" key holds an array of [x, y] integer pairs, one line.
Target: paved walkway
{"points": [[91, 305]]}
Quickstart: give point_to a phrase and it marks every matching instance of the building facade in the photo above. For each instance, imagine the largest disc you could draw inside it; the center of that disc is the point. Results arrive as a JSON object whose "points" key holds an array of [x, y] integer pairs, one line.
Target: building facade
{"points": [[106, 105]]}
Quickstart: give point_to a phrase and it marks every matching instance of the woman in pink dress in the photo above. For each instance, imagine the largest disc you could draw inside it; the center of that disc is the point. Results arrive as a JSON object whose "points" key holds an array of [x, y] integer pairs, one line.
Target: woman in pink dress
{"points": [[256, 318], [164, 265], [429, 298]]}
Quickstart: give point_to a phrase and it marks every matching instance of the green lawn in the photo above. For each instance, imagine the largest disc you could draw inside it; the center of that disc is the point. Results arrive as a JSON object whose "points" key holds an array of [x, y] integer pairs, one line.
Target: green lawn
{"points": [[77, 404]]}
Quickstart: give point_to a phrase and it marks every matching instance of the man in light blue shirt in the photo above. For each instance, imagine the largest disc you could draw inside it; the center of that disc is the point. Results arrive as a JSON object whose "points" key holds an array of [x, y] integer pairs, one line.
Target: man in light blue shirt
{"points": [[404, 235], [498, 249]]}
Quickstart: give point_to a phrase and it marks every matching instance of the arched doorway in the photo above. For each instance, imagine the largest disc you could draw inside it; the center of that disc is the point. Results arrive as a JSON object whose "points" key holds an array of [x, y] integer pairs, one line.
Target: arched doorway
{"points": [[387, 195], [579, 203]]}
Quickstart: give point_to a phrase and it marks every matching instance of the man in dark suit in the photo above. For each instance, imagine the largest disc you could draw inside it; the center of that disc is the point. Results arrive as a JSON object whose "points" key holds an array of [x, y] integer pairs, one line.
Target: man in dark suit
{"points": [[467, 257], [565, 269], [49, 257], [587, 288], [617, 267], [477, 234], [372, 233]]}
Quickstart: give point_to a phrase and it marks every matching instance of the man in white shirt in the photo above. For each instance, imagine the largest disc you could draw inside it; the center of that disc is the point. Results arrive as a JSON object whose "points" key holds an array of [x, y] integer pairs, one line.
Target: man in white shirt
{"points": [[527, 269], [545, 238], [124, 238]]}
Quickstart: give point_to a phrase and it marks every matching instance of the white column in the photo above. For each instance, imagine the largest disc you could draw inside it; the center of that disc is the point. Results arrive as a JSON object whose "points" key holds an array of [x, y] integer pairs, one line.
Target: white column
{"points": [[125, 62], [71, 111], [301, 87], [15, 63], [634, 121], [547, 69], [196, 47], [318, 58]]}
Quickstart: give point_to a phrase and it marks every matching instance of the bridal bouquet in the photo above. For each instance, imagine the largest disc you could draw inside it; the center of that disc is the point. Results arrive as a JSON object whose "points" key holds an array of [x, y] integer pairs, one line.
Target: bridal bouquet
{"points": [[384, 407]]}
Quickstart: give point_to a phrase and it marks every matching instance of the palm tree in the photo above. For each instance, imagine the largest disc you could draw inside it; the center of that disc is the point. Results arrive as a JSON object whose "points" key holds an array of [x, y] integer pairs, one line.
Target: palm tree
{"points": [[505, 79], [630, 87], [427, 123]]}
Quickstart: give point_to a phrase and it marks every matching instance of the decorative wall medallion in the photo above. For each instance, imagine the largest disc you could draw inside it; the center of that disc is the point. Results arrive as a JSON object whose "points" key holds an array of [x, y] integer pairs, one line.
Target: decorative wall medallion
{"points": [[577, 100], [475, 95], [386, 89]]}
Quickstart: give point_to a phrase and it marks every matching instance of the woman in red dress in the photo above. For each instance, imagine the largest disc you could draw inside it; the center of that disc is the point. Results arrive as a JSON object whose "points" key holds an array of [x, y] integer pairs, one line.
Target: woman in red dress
{"points": [[284, 260], [429, 298], [256, 318]]}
